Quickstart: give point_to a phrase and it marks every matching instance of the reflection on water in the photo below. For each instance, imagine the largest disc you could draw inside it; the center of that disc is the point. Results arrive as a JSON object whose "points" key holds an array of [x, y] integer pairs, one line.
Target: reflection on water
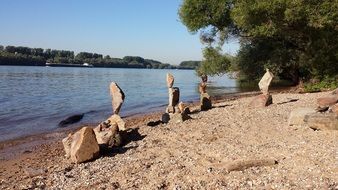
{"points": [[34, 99]]}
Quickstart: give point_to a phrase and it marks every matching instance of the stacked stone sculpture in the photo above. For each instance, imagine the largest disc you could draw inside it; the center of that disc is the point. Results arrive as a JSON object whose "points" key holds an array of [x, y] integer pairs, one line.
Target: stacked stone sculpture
{"points": [[107, 132], [205, 101], [85, 144], [173, 110], [264, 99]]}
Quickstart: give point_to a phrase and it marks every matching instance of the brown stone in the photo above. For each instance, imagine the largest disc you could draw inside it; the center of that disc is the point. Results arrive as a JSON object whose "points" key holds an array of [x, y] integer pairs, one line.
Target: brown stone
{"points": [[327, 101], [67, 142], [170, 80], [117, 120], [117, 97], [84, 146], [262, 100], [106, 136], [202, 88], [205, 102], [322, 121], [183, 108]]}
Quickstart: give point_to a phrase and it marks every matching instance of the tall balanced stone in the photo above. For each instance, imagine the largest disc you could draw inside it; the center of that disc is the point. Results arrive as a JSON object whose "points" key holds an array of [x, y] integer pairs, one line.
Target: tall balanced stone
{"points": [[265, 82], [265, 98], [174, 95], [117, 97], [205, 101]]}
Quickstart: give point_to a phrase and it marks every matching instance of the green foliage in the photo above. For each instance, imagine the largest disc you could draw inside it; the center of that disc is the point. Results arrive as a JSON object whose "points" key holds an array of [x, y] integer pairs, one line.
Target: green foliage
{"points": [[12, 55], [323, 85], [214, 64], [296, 39], [189, 64]]}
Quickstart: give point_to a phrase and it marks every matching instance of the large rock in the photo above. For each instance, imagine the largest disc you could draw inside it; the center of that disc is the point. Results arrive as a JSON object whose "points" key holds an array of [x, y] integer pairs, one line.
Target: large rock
{"points": [[205, 102], [82, 146], [170, 80], [261, 100], [327, 101], [264, 83], [117, 97], [322, 121], [297, 116]]}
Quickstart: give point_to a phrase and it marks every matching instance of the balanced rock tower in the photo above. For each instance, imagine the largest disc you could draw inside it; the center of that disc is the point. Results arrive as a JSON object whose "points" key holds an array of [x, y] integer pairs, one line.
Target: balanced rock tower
{"points": [[174, 112], [205, 101], [265, 98]]}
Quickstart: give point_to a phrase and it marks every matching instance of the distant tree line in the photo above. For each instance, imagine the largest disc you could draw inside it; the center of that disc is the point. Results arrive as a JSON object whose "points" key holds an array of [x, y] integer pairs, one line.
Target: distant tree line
{"points": [[12, 55]]}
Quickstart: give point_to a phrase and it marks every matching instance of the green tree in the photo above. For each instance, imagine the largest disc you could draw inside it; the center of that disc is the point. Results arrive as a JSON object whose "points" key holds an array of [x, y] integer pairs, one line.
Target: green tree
{"points": [[294, 38]]}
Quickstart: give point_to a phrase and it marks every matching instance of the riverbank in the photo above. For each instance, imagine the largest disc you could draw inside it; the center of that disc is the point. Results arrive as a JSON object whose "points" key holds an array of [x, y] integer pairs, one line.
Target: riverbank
{"points": [[194, 154]]}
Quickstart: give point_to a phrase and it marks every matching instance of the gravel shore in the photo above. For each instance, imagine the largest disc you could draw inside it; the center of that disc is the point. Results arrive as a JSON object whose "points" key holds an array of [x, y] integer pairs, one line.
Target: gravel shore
{"points": [[195, 154]]}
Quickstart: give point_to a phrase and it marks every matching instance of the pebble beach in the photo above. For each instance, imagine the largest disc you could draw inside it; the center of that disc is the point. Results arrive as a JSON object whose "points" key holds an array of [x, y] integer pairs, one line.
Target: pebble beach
{"points": [[194, 154]]}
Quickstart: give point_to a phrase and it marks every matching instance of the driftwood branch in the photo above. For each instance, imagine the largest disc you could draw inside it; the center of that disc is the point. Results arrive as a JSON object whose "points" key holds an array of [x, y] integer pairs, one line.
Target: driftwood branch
{"points": [[240, 165]]}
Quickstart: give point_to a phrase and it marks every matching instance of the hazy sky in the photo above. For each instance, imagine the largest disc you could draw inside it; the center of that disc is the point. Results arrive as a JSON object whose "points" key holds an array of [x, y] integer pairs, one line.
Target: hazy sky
{"points": [[147, 28]]}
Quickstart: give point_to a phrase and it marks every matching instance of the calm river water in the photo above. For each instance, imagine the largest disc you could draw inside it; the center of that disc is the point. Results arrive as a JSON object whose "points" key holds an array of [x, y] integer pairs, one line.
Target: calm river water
{"points": [[35, 99]]}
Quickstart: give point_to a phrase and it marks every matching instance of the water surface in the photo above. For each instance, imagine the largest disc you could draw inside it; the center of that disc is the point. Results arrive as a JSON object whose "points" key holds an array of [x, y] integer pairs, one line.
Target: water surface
{"points": [[35, 99]]}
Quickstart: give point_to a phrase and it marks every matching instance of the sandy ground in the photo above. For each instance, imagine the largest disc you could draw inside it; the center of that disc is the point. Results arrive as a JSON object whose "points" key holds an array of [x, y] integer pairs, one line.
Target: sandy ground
{"points": [[194, 154]]}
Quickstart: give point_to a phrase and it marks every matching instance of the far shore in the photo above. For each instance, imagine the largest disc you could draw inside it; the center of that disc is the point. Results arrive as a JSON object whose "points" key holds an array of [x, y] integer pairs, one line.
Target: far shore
{"points": [[192, 154]]}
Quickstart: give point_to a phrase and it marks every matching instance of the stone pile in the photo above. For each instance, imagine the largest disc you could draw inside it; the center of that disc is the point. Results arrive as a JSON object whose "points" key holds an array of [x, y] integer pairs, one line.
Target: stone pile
{"points": [[205, 101], [175, 112], [264, 99], [86, 144], [324, 117]]}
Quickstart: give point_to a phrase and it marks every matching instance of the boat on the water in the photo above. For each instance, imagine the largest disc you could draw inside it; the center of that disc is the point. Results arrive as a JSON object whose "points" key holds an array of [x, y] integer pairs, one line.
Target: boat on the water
{"points": [[68, 65]]}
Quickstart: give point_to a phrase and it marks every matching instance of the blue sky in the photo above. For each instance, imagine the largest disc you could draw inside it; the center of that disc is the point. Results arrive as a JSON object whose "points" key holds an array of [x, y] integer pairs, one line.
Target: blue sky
{"points": [[147, 28]]}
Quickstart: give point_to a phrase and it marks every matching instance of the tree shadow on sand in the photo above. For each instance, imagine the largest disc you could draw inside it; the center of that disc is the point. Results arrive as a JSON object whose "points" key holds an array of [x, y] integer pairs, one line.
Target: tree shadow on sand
{"points": [[128, 136]]}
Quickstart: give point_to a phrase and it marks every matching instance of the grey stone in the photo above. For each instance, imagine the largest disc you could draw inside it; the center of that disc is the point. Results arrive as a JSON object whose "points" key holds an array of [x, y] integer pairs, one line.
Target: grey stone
{"points": [[297, 116], [179, 117]]}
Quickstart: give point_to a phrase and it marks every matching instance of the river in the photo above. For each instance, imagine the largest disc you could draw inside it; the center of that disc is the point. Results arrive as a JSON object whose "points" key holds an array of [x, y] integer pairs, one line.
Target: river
{"points": [[34, 100]]}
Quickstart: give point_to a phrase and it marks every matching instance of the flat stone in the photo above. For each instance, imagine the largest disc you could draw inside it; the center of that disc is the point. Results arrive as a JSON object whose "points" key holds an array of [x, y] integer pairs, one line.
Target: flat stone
{"points": [[322, 121], [297, 115], [84, 146], [117, 97], [265, 82], [170, 80], [327, 101], [261, 100], [205, 102]]}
